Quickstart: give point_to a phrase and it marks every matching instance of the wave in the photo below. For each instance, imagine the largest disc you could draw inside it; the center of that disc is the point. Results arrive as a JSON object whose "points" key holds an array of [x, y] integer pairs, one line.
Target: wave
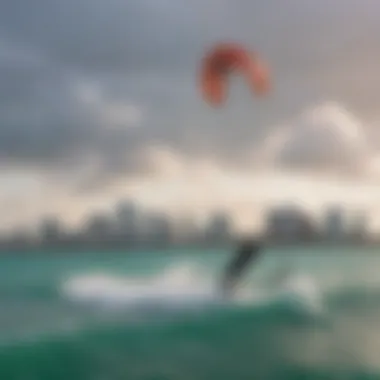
{"points": [[185, 285], [158, 324], [239, 343]]}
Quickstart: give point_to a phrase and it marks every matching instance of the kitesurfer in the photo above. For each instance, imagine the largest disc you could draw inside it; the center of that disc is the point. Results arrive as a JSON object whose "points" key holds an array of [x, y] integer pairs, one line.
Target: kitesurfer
{"points": [[248, 251]]}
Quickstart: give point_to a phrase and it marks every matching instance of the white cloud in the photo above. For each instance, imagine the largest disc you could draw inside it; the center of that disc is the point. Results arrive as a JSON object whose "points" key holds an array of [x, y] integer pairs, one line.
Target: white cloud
{"points": [[119, 115], [197, 185], [195, 188], [111, 113], [325, 139], [88, 93]]}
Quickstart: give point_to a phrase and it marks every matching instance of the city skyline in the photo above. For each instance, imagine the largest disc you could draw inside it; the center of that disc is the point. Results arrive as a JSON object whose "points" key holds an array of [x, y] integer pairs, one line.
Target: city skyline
{"points": [[127, 226]]}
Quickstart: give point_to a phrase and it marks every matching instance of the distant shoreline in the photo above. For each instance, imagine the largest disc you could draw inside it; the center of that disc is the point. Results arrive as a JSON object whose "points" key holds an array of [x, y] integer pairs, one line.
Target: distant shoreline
{"points": [[58, 251]]}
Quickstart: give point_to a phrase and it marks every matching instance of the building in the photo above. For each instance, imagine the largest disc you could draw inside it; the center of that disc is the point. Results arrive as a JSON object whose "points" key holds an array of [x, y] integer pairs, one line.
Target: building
{"points": [[186, 231], [333, 226], [289, 224], [158, 230], [218, 229], [19, 239], [359, 227], [98, 230], [127, 223], [51, 232]]}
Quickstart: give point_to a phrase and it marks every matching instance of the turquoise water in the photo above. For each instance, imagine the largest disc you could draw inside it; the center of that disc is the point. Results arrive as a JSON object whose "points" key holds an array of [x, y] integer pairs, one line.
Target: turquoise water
{"points": [[300, 314]]}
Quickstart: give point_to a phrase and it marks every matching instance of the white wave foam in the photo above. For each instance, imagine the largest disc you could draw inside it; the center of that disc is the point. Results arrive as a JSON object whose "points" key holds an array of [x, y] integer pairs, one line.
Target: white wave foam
{"points": [[306, 289], [181, 284], [176, 283]]}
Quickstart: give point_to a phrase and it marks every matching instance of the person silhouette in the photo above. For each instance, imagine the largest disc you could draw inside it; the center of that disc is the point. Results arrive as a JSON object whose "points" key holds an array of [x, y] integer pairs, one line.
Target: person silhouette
{"points": [[248, 250]]}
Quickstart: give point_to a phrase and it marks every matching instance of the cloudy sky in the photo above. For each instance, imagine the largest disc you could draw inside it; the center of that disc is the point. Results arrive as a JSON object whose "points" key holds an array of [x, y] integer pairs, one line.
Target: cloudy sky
{"points": [[99, 100]]}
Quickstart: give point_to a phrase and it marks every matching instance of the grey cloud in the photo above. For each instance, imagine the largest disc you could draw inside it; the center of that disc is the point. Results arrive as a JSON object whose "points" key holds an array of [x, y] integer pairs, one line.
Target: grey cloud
{"points": [[44, 124], [147, 53], [103, 35]]}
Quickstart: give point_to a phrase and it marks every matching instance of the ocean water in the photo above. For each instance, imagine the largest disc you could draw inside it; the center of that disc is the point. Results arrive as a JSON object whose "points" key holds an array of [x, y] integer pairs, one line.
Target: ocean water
{"points": [[302, 313]]}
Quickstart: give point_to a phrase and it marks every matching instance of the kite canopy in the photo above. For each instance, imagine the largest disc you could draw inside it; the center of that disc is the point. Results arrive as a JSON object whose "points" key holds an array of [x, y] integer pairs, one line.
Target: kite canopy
{"points": [[225, 59]]}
